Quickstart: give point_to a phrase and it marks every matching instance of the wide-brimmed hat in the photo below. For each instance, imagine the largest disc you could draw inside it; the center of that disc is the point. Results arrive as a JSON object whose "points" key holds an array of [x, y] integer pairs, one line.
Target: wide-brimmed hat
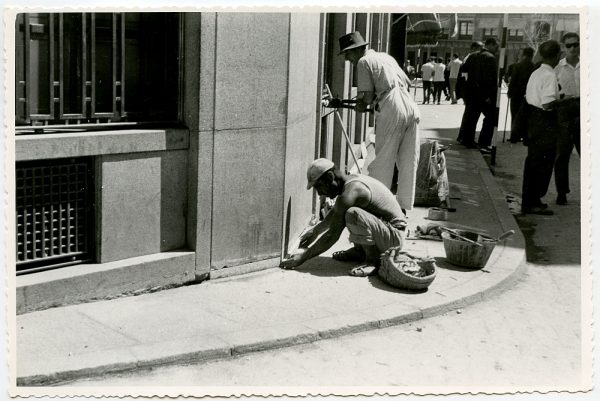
{"points": [[351, 41], [316, 170]]}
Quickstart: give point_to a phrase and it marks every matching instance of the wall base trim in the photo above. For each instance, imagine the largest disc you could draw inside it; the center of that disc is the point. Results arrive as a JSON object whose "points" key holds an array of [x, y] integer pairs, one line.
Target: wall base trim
{"points": [[95, 282]]}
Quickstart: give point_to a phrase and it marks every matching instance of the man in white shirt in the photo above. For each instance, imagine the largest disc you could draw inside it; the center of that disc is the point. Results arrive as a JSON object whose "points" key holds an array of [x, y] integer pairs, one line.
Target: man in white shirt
{"points": [[567, 72], [438, 79], [427, 76], [543, 97], [454, 66]]}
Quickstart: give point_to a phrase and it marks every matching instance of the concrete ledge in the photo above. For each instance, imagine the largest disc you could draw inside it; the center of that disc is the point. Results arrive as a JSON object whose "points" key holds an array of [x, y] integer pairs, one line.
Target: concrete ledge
{"points": [[92, 282], [93, 143]]}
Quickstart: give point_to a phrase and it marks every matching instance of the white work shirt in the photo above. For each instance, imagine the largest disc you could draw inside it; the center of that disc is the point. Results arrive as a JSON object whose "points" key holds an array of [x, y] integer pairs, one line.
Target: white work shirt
{"points": [[568, 78], [454, 67], [379, 72], [542, 87], [438, 72], [427, 71]]}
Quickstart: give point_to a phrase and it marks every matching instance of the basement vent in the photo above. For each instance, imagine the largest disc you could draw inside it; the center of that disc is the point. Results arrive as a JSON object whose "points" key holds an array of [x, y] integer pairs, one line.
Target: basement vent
{"points": [[54, 215]]}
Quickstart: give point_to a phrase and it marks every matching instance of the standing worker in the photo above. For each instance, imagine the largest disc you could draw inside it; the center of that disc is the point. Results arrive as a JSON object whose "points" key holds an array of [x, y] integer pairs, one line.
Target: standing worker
{"points": [[382, 83], [567, 72]]}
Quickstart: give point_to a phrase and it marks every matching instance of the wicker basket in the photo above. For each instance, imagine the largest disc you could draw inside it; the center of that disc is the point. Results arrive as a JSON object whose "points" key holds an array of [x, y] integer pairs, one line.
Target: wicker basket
{"points": [[462, 253], [392, 272]]}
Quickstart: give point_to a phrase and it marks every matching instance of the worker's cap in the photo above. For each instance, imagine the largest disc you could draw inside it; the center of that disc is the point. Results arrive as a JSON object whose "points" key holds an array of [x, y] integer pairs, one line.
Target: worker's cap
{"points": [[317, 169], [351, 41]]}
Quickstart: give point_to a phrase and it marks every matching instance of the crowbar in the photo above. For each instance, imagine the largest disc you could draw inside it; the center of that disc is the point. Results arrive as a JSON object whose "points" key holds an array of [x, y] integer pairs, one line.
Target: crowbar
{"points": [[337, 113]]}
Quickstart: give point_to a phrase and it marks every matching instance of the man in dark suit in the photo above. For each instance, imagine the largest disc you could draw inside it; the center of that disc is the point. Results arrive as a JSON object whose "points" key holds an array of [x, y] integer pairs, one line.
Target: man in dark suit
{"points": [[481, 87], [517, 83]]}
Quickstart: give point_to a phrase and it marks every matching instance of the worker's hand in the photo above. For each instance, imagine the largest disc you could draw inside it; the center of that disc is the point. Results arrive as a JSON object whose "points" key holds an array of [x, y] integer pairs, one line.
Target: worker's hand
{"points": [[307, 238], [334, 103], [294, 260], [361, 107]]}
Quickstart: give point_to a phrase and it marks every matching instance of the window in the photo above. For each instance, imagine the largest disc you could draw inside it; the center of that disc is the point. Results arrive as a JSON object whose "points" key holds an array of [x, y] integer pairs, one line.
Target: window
{"points": [[490, 33], [515, 34], [465, 30], [443, 34], [96, 68]]}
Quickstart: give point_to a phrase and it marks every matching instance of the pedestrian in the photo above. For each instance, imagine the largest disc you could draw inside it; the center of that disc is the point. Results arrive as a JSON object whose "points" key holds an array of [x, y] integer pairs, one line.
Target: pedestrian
{"points": [[481, 71], [364, 206], [517, 83], [438, 79], [427, 79], [454, 68], [567, 72], [462, 92], [447, 80], [543, 96], [409, 70]]}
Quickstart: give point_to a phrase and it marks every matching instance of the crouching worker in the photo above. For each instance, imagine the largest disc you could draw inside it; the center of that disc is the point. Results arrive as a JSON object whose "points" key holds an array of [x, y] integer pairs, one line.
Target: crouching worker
{"points": [[363, 205]]}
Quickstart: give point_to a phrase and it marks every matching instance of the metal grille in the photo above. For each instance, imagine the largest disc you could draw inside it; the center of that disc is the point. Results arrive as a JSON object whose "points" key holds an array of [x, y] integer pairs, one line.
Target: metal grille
{"points": [[54, 215], [78, 68]]}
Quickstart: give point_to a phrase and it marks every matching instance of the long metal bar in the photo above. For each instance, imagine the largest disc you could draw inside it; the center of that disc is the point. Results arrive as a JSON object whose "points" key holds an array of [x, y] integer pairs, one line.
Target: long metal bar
{"points": [[69, 197], [61, 62], [27, 68], [33, 212], [84, 64], [44, 268], [60, 209], [51, 60], [93, 65], [123, 16], [348, 143], [24, 216], [43, 213], [51, 213], [114, 65], [24, 129], [65, 255]]}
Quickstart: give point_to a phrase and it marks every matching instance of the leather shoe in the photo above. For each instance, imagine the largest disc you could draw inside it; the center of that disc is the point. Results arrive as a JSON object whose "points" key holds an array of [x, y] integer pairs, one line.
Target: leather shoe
{"points": [[561, 199]]}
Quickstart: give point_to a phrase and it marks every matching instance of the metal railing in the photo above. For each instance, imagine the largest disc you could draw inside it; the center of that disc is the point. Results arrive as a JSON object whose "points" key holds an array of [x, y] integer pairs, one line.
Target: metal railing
{"points": [[74, 68]]}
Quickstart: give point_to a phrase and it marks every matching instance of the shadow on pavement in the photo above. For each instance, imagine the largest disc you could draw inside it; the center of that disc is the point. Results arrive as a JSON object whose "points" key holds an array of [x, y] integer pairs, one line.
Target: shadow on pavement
{"points": [[443, 264], [382, 285], [325, 267]]}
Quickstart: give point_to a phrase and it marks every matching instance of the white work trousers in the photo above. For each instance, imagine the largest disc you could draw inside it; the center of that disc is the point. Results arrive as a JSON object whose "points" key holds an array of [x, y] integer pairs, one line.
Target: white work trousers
{"points": [[397, 143]]}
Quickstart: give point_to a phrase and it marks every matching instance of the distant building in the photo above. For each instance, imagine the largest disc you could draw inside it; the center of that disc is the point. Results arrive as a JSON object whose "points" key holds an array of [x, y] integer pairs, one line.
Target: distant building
{"points": [[522, 30]]}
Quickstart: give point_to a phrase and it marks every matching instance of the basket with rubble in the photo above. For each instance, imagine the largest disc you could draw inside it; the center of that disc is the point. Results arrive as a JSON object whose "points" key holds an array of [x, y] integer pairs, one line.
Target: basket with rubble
{"points": [[402, 270]]}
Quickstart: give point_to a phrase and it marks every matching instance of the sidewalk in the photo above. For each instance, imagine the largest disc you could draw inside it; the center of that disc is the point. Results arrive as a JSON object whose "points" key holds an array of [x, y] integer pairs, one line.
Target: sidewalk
{"points": [[276, 308]]}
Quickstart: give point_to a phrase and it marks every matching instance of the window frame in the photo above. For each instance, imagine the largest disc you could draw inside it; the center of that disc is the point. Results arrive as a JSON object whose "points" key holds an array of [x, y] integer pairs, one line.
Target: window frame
{"points": [[70, 88], [469, 27]]}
